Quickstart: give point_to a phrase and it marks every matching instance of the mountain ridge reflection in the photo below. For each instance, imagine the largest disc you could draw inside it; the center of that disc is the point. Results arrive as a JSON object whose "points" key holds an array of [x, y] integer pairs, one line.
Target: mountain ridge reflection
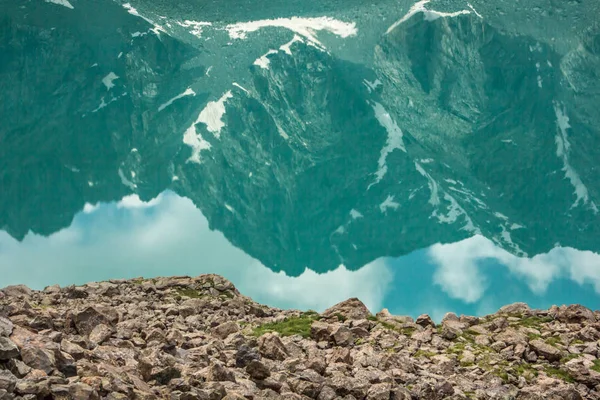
{"points": [[168, 235]]}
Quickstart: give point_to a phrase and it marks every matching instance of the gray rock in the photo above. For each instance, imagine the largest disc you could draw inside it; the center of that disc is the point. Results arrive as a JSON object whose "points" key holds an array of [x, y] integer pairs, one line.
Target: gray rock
{"points": [[217, 372], [542, 348], [38, 358], [351, 309], [6, 326], [100, 333], [8, 349], [17, 291], [246, 354], [7, 381], [425, 320], [225, 329], [85, 321], [258, 370], [343, 336], [270, 346]]}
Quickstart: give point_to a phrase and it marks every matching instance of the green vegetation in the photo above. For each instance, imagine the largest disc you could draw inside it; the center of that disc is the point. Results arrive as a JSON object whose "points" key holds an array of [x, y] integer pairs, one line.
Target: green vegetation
{"points": [[191, 293], [577, 341], [340, 317], [533, 336], [596, 366], [552, 341], [525, 370], [372, 318], [569, 357], [559, 374], [533, 321], [424, 353], [289, 326]]}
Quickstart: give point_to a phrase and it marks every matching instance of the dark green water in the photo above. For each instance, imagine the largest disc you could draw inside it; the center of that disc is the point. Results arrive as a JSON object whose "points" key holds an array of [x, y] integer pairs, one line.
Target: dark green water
{"points": [[307, 151]]}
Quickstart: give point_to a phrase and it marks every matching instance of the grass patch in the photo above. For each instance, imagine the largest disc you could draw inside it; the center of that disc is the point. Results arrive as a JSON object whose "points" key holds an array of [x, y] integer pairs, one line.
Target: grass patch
{"points": [[596, 366], [340, 317], [559, 374], [525, 370], [372, 318], [408, 331], [424, 353], [288, 327], [569, 357], [553, 341], [534, 321], [577, 341], [533, 336]]}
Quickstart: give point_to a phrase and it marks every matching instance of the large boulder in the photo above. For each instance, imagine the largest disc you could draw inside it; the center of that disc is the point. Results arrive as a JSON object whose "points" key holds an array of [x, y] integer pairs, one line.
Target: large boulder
{"points": [[574, 313], [6, 326], [349, 309], [17, 291], [542, 348], [271, 346], [8, 349], [86, 320]]}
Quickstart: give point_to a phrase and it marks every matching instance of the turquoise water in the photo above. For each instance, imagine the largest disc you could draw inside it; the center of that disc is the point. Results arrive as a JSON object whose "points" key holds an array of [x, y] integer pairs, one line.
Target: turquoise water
{"points": [[423, 156], [169, 235]]}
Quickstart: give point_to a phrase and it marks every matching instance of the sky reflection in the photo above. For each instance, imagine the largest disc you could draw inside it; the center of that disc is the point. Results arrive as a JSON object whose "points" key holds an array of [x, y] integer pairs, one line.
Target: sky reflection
{"points": [[170, 236]]}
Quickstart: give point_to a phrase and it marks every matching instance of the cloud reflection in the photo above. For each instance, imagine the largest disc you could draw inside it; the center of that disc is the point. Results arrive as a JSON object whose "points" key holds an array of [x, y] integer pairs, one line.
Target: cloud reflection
{"points": [[169, 236], [461, 273]]}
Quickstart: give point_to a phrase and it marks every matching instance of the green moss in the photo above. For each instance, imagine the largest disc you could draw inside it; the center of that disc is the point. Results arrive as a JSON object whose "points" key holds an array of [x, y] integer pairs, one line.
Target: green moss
{"points": [[596, 366], [472, 332], [424, 353], [387, 325], [502, 374], [359, 341], [340, 317], [469, 394], [534, 321], [533, 336], [559, 374], [525, 370], [569, 357], [372, 318], [191, 293], [457, 348], [137, 281], [288, 327], [577, 341], [408, 331], [553, 341]]}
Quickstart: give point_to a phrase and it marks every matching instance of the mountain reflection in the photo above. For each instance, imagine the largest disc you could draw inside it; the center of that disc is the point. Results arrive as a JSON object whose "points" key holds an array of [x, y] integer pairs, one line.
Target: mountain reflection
{"points": [[170, 236]]}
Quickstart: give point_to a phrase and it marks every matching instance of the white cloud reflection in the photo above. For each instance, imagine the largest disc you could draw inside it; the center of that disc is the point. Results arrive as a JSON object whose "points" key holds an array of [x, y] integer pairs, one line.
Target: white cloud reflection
{"points": [[461, 274], [169, 236]]}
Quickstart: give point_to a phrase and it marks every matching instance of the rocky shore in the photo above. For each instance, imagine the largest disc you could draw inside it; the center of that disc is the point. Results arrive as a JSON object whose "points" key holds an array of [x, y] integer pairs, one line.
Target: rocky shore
{"points": [[185, 338]]}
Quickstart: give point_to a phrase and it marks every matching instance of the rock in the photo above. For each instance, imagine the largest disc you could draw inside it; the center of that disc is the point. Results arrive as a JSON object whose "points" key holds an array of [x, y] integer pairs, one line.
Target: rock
{"points": [[217, 372], [343, 336], [100, 333], [515, 308], [350, 309], [6, 326], [38, 358], [379, 391], [574, 314], [245, 354], [85, 321], [7, 381], [320, 331], [225, 329], [17, 291], [425, 320], [270, 346], [542, 348], [258, 370], [341, 355], [164, 375], [8, 349], [71, 348]]}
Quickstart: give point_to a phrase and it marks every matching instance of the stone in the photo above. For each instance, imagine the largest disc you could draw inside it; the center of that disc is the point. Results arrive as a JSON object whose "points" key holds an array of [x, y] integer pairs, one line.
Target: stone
{"points": [[8, 349], [258, 370], [320, 331], [225, 329], [270, 346], [343, 336], [379, 391], [351, 309], [71, 348], [542, 348], [514, 308], [217, 372], [100, 333], [574, 313], [17, 291], [7, 381], [38, 358], [85, 321], [6, 326], [425, 321], [246, 354]]}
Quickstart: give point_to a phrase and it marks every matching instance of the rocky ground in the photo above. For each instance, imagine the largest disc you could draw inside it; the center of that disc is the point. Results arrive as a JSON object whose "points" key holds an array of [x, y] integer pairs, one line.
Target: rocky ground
{"points": [[185, 338]]}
